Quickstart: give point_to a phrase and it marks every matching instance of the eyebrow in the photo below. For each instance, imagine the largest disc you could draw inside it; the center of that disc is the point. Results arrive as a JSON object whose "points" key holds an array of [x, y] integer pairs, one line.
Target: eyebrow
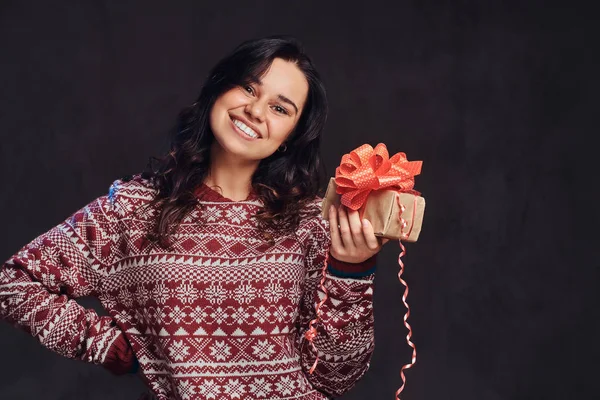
{"points": [[279, 96]]}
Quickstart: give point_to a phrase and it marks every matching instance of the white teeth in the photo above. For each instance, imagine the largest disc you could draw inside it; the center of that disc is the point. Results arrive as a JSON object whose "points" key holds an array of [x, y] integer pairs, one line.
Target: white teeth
{"points": [[245, 128]]}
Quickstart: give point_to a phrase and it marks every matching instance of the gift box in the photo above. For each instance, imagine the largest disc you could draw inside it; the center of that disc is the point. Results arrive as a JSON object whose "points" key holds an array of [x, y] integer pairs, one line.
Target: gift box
{"points": [[378, 186], [382, 209]]}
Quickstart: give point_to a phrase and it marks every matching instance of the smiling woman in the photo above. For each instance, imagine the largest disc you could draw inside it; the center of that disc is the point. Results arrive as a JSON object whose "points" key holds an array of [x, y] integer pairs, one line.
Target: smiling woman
{"points": [[209, 293]]}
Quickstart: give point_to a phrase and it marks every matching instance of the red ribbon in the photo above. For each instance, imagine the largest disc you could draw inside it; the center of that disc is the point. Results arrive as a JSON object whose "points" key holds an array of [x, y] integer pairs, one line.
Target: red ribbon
{"points": [[404, 296], [311, 333], [366, 169]]}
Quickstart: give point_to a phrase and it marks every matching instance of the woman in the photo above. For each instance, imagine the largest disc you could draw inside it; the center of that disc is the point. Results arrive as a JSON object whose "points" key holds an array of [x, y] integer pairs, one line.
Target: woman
{"points": [[209, 262]]}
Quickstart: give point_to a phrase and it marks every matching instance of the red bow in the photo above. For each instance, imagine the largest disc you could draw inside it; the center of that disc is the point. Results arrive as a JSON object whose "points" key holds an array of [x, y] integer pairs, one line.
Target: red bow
{"points": [[365, 169]]}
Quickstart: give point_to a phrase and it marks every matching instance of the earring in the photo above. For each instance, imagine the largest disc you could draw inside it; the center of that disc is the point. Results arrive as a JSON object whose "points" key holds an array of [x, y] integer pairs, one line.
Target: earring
{"points": [[284, 148]]}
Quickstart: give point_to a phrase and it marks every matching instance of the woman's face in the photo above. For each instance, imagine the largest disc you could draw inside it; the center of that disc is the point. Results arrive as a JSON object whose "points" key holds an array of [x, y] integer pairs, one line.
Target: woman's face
{"points": [[253, 121]]}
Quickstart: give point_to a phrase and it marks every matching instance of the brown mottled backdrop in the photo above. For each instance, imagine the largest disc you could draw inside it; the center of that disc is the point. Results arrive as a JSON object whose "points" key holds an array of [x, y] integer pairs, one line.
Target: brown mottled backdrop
{"points": [[497, 99]]}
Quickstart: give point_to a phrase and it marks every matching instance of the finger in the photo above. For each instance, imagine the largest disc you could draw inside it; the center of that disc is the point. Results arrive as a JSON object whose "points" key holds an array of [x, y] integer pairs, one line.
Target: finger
{"points": [[345, 227], [356, 228], [371, 240], [382, 240], [333, 227]]}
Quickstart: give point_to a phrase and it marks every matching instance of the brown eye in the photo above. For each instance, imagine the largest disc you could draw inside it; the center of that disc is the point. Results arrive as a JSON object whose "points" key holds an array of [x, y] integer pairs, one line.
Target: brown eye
{"points": [[281, 110], [249, 89]]}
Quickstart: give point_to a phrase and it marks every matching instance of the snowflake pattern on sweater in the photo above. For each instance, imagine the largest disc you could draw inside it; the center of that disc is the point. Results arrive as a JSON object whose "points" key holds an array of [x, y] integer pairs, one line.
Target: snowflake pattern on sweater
{"points": [[220, 315]]}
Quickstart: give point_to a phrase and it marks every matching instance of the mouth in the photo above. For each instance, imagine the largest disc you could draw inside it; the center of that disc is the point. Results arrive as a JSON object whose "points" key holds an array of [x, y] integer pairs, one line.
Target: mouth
{"points": [[244, 129]]}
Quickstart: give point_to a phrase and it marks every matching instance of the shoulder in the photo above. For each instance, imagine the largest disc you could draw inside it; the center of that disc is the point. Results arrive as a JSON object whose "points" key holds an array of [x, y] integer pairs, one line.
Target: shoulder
{"points": [[127, 193], [132, 186]]}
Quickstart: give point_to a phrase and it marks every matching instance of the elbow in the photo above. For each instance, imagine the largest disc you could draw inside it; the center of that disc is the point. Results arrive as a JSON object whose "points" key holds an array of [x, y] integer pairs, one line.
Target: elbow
{"points": [[336, 378]]}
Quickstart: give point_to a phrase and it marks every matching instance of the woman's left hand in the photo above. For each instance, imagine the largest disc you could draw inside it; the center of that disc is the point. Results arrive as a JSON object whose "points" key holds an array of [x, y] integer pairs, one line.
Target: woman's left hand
{"points": [[353, 241]]}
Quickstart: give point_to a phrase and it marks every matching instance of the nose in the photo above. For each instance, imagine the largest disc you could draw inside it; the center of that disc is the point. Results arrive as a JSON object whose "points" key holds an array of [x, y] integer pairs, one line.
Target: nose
{"points": [[256, 110]]}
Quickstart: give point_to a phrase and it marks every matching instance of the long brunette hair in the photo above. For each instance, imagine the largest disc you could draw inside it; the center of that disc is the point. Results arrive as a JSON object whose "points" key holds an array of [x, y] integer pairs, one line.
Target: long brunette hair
{"points": [[285, 181]]}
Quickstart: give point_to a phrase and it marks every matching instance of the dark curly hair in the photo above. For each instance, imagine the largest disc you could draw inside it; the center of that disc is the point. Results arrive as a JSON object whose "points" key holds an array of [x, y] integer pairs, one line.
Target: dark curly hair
{"points": [[284, 181]]}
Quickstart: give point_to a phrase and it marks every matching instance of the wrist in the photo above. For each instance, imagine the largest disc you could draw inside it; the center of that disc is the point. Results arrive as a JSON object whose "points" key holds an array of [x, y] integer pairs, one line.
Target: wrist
{"points": [[120, 358], [347, 269]]}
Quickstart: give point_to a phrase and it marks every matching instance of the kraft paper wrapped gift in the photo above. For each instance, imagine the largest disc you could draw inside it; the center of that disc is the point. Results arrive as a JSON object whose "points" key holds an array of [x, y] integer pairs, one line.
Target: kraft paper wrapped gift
{"points": [[382, 209]]}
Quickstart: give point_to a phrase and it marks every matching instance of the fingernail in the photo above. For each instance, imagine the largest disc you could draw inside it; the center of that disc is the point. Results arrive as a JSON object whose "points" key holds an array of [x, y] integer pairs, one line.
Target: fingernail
{"points": [[365, 222]]}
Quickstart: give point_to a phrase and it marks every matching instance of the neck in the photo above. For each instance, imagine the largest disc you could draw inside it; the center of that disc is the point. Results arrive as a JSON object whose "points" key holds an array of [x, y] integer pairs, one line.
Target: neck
{"points": [[231, 173]]}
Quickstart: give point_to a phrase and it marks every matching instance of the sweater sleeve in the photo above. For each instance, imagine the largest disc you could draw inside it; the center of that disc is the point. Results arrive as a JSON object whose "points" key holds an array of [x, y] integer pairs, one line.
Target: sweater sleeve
{"points": [[345, 335], [39, 282]]}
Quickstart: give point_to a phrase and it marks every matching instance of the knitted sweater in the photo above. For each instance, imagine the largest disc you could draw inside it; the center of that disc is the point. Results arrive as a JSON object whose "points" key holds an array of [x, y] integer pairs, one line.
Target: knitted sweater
{"points": [[220, 315]]}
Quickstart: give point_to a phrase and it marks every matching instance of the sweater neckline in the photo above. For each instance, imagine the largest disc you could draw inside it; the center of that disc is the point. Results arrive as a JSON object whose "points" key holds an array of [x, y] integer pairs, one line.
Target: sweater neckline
{"points": [[206, 193]]}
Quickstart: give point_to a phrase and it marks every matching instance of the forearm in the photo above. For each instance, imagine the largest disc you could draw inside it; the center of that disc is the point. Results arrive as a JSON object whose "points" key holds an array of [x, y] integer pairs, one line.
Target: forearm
{"points": [[61, 324], [345, 336], [343, 332]]}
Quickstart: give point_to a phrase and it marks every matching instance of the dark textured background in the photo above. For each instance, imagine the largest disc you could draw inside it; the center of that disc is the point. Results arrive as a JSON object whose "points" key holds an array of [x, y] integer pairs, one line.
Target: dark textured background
{"points": [[496, 98]]}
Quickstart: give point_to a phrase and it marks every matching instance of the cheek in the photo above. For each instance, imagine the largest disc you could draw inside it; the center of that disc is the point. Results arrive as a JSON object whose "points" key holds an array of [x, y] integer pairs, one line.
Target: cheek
{"points": [[220, 110], [232, 99], [212, 118], [228, 100], [281, 129]]}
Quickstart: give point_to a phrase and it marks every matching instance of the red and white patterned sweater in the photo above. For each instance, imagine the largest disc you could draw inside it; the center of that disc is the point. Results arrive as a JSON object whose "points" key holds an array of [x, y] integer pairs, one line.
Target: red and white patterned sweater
{"points": [[221, 315]]}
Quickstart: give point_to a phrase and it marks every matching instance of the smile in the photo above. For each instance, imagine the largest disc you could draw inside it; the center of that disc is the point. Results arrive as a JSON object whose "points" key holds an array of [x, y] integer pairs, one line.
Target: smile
{"points": [[245, 129]]}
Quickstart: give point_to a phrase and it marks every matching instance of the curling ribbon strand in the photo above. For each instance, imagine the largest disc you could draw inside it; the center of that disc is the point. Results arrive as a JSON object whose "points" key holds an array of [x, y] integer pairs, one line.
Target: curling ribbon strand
{"points": [[404, 296], [312, 331]]}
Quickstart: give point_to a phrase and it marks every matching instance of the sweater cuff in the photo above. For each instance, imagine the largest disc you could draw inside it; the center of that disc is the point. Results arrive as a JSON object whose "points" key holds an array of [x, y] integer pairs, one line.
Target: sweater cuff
{"points": [[120, 358], [351, 270]]}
